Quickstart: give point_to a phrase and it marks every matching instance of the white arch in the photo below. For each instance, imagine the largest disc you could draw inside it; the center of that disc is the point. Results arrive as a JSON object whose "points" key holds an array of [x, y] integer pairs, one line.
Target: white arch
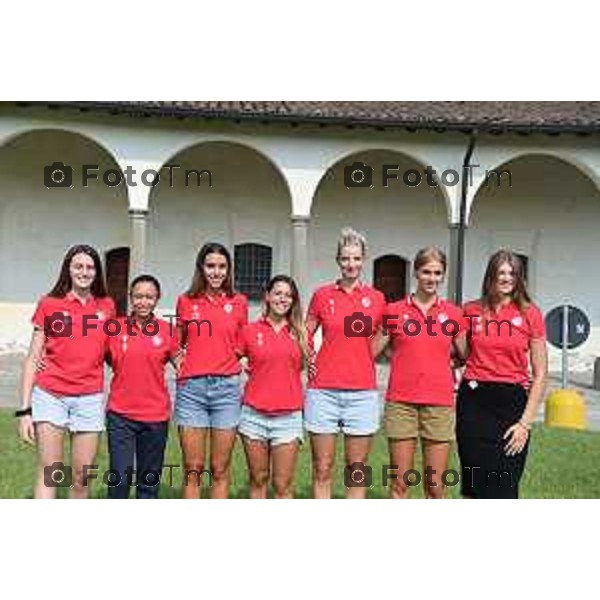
{"points": [[347, 155], [23, 131], [573, 159], [234, 144]]}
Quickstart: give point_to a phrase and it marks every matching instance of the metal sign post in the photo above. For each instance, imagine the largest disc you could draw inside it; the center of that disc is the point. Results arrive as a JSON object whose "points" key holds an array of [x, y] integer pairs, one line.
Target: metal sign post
{"points": [[565, 343], [567, 327]]}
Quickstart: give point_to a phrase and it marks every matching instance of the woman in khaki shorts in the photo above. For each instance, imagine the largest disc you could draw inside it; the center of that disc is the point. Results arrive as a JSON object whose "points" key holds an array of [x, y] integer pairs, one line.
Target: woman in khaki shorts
{"points": [[422, 330]]}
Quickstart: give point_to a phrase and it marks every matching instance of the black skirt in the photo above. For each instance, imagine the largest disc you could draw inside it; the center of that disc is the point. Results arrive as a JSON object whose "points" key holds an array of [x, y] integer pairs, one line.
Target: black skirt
{"points": [[484, 411]]}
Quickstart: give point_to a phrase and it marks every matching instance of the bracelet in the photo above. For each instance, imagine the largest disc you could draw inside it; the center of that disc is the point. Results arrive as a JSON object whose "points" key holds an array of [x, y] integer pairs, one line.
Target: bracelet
{"points": [[22, 412]]}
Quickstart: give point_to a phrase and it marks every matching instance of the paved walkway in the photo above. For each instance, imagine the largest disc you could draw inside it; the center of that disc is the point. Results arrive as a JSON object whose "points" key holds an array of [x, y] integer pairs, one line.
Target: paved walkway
{"points": [[10, 372]]}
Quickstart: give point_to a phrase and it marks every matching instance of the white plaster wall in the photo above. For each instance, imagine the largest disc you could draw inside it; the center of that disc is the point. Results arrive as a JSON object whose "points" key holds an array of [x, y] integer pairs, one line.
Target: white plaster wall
{"points": [[551, 213]]}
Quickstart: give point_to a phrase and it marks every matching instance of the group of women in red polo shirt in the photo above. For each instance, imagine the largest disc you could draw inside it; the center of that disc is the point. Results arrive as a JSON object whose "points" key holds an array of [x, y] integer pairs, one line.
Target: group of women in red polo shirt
{"points": [[425, 337]]}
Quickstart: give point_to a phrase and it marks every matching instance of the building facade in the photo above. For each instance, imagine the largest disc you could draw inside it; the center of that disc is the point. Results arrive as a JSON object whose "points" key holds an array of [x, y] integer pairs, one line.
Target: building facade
{"points": [[275, 189]]}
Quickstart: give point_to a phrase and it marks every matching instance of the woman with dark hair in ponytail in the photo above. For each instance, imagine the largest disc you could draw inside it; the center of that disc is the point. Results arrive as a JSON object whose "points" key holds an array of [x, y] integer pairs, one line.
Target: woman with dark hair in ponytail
{"points": [[208, 400], [271, 420], [497, 400], [139, 406], [63, 373]]}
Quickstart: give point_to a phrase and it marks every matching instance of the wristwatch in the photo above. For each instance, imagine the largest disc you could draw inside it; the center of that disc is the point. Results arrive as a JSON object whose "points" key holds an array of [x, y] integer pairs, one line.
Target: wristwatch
{"points": [[22, 412]]}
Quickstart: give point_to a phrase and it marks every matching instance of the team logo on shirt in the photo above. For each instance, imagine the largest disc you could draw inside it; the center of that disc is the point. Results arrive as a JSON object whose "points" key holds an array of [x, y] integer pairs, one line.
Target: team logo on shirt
{"points": [[443, 317], [228, 308], [332, 306], [405, 317], [366, 301], [157, 340], [260, 339], [195, 312], [517, 321], [124, 343], [100, 314]]}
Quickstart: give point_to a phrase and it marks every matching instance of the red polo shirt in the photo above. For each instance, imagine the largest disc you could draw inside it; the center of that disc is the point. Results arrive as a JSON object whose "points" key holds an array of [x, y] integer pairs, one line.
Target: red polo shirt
{"points": [[499, 342], [213, 325], [420, 370], [138, 388], [345, 360], [274, 366], [73, 348]]}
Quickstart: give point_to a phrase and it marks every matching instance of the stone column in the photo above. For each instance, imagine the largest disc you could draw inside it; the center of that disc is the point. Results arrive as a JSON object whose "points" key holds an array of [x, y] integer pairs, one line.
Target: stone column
{"points": [[300, 224], [452, 276], [137, 258]]}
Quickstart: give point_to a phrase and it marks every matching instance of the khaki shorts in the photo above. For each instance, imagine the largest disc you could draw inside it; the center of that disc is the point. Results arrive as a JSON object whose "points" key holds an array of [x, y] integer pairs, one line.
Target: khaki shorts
{"points": [[403, 420]]}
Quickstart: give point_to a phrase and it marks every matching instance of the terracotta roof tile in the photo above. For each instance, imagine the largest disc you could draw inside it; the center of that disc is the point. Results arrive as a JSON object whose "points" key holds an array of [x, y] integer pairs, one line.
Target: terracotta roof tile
{"points": [[488, 116]]}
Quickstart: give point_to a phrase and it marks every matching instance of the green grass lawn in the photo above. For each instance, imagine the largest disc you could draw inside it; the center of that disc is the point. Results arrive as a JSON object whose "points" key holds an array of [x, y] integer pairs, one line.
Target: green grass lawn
{"points": [[561, 464]]}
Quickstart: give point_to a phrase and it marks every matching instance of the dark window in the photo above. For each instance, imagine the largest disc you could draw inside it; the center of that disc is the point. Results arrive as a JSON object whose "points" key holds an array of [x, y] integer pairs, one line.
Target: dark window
{"points": [[525, 263], [390, 276], [117, 274], [252, 269]]}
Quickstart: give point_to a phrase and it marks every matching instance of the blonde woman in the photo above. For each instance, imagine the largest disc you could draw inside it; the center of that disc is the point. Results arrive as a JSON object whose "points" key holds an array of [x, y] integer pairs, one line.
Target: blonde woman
{"points": [[342, 389]]}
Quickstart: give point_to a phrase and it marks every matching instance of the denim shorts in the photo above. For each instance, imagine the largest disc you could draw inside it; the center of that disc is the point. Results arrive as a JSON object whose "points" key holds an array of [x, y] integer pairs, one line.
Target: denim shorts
{"points": [[83, 413], [354, 412], [208, 401], [275, 429]]}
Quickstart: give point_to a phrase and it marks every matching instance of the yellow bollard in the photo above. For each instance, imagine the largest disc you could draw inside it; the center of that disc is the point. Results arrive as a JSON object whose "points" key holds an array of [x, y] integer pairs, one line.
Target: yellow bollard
{"points": [[566, 408]]}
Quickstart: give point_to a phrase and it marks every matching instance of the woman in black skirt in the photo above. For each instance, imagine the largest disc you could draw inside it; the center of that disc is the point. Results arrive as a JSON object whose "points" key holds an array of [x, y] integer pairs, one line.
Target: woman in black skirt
{"points": [[497, 401]]}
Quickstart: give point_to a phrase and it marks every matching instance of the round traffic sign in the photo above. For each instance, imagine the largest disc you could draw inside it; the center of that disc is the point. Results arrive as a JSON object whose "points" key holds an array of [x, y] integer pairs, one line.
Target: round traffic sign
{"points": [[578, 327]]}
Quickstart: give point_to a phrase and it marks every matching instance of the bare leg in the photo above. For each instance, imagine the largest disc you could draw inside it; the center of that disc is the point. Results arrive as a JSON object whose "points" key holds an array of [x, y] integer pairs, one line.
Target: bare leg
{"points": [[435, 459], [402, 454], [323, 461], [284, 467], [257, 456], [357, 448], [193, 448], [222, 442], [50, 447], [84, 446]]}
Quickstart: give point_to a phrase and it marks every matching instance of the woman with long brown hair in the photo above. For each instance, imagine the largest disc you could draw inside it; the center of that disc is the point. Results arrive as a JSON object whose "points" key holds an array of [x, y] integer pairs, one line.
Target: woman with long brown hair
{"points": [[208, 397], [63, 373], [271, 420], [497, 400]]}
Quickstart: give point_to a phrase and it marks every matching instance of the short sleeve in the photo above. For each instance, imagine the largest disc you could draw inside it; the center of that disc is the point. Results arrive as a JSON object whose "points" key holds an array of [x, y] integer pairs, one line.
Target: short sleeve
{"points": [[463, 323], [111, 343], [243, 310], [537, 327], [314, 308], [381, 308], [469, 312], [181, 310], [110, 308], [40, 314], [174, 340], [241, 347], [390, 319]]}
